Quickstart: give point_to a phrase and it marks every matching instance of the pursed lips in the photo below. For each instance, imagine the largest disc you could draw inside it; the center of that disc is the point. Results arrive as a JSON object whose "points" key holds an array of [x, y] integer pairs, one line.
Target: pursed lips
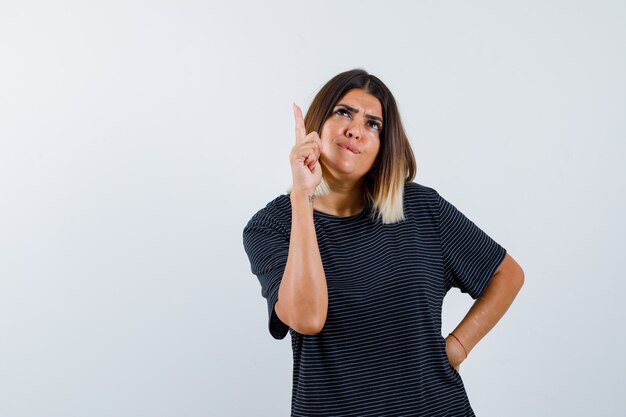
{"points": [[349, 147]]}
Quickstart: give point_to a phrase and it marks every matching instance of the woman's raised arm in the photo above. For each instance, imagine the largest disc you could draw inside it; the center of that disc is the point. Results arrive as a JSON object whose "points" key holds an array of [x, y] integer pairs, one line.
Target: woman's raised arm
{"points": [[303, 294]]}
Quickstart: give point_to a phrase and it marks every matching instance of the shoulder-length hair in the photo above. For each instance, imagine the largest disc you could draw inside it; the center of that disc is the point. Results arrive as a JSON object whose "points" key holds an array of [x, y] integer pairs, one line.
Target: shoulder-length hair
{"points": [[395, 163]]}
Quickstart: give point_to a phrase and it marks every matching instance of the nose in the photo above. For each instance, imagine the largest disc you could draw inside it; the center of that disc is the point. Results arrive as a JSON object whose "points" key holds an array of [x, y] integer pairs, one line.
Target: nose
{"points": [[354, 130]]}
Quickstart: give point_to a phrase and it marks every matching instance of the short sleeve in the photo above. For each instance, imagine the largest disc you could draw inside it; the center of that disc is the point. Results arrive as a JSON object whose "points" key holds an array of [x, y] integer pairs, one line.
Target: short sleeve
{"points": [[470, 256], [267, 247]]}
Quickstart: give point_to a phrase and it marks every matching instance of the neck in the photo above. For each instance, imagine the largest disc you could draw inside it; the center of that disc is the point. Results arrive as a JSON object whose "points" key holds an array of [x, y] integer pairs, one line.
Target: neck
{"points": [[344, 198]]}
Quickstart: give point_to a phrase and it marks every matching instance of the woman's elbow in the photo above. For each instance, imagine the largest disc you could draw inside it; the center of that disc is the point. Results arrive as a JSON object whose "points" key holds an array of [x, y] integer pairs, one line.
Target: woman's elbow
{"points": [[297, 322], [519, 275], [512, 270], [307, 329]]}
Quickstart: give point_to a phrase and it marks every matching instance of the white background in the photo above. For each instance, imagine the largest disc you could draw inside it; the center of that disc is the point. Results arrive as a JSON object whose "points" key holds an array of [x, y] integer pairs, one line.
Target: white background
{"points": [[138, 137]]}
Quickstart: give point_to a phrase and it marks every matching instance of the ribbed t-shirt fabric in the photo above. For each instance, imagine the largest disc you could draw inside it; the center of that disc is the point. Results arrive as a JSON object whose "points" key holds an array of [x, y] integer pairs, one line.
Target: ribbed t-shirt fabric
{"points": [[381, 351]]}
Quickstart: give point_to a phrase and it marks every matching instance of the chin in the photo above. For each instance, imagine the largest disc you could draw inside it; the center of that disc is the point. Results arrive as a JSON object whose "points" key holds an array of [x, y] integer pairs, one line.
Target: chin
{"points": [[343, 168], [340, 167]]}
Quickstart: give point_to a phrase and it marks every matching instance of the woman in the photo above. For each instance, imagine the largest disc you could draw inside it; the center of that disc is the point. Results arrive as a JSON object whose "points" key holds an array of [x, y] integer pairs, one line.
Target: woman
{"points": [[356, 259]]}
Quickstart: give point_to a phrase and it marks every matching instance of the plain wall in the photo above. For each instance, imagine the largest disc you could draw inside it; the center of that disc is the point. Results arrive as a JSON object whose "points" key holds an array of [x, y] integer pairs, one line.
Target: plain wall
{"points": [[137, 138]]}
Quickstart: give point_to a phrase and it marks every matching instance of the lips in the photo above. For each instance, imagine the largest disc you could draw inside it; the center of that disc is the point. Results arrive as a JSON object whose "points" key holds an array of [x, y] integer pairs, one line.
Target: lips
{"points": [[349, 147]]}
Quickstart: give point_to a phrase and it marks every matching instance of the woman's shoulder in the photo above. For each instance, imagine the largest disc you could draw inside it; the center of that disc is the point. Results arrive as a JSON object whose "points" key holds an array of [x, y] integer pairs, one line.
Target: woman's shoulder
{"points": [[418, 187], [417, 192], [275, 214], [420, 202]]}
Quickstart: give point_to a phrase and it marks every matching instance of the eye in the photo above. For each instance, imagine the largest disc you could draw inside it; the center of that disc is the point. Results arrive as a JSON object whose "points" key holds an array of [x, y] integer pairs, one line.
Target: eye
{"points": [[375, 125], [342, 112]]}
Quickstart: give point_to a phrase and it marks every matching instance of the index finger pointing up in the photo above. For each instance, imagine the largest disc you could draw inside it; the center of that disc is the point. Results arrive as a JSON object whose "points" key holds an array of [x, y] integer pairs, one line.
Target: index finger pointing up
{"points": [[300, 129]]}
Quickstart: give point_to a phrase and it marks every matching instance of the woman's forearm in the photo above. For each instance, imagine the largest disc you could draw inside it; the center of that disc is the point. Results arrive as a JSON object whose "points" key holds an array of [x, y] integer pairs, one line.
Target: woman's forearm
{"points": [[491, 305], [303, 293]]}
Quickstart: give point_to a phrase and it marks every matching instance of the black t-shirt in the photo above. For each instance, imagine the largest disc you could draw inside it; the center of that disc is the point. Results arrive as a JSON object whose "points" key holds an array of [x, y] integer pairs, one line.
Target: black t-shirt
{"points": [[381, 351]]}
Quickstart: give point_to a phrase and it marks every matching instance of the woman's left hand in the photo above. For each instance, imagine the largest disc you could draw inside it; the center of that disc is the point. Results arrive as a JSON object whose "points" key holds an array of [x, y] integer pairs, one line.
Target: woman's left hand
{"points": [[456, 353]]}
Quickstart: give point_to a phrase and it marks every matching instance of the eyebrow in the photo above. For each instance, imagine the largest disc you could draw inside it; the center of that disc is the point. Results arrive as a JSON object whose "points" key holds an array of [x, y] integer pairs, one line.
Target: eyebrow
{"points": [[353, 110]]}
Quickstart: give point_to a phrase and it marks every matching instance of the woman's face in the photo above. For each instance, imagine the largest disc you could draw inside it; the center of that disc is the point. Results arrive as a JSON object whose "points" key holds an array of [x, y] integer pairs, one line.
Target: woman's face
{"points": [[351, 135]]}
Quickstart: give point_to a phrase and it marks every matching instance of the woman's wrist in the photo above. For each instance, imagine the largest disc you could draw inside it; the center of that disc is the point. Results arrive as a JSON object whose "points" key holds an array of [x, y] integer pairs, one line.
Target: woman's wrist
{"points": [[454, 350], [302, 195], [460, 343]]}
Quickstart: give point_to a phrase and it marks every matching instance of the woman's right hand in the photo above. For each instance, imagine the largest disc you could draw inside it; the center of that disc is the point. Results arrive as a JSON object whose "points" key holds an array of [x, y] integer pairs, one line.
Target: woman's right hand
{"points": [[306, 170]]}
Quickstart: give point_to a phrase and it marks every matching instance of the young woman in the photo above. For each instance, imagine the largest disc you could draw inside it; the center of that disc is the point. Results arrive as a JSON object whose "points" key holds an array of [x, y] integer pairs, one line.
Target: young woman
{"points": [[355, 261]]}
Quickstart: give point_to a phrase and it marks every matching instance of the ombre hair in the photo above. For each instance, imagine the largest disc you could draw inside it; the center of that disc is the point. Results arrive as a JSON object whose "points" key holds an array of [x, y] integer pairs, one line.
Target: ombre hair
{"points": [[395, 163]]}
